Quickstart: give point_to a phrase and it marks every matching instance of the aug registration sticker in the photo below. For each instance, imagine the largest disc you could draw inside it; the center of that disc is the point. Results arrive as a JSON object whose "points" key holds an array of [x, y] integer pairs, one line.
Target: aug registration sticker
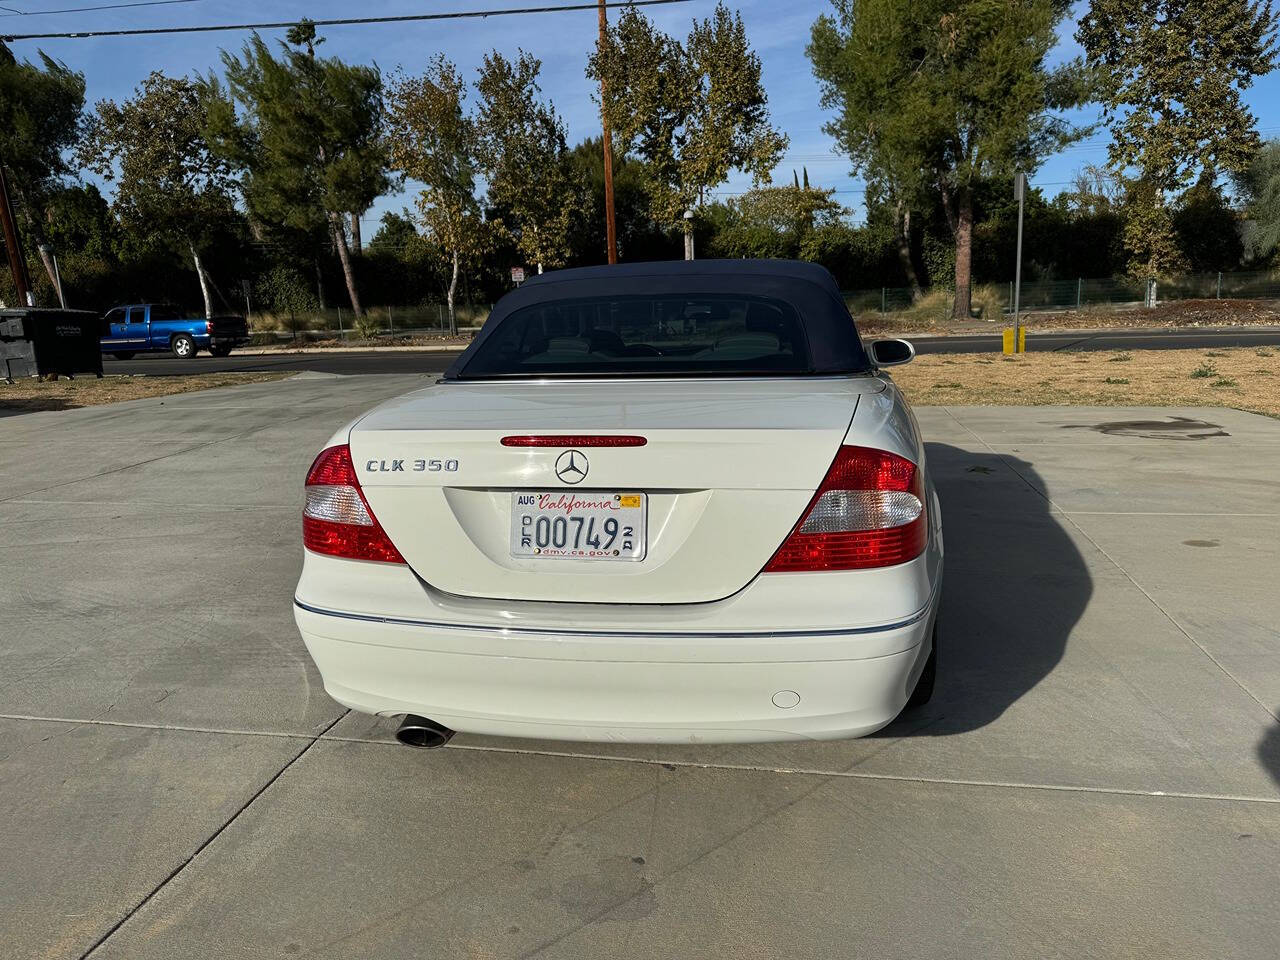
{"points": [[556, 525]]}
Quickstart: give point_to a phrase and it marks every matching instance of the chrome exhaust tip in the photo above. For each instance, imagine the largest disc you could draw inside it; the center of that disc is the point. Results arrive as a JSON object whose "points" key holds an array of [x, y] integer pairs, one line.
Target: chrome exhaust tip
{"points": [[415, 731]]}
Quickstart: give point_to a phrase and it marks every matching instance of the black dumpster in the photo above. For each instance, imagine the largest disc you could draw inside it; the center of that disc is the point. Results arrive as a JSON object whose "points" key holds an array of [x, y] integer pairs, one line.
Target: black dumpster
{"points": [[35, 341]]}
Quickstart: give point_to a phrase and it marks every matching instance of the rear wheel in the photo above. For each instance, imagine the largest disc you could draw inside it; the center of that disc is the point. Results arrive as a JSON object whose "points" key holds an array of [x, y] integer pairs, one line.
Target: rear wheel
{"points": [[222, 351], [183, 347], [924, 686]]}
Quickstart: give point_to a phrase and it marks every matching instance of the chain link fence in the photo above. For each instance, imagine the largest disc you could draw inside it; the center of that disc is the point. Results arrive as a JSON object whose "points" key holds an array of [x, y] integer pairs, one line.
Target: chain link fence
{"points": [[990, 301], [379, 322]]}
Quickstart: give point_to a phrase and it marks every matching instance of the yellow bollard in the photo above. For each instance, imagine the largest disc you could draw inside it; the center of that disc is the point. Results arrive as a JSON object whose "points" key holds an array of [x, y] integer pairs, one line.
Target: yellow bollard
{"points": [[1022, 341]]}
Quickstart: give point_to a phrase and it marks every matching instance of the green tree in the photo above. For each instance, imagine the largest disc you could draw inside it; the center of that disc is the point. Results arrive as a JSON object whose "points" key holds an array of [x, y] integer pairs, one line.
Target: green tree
{"points": [[1208, 230], [395, 232], [309, 138], [432, 140], [933, 96], [775, 221], [1258, 185], [692, 111], [522, 152], [639, 236], [41, 112], [170, 187], [1170, 74]]}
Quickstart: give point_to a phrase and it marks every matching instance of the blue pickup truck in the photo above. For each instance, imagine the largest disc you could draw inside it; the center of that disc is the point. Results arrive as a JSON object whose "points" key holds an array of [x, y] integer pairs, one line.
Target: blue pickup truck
{"points": [[159, 327]]}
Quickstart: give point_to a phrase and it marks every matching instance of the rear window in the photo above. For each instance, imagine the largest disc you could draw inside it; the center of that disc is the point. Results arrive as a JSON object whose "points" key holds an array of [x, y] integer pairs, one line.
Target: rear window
{"points": [[669, 334]]}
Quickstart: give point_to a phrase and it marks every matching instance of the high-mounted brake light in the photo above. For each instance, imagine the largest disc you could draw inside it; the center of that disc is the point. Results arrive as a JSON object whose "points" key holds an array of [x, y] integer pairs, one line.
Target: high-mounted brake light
{"points": [[575, 440], [336, 519], [869, 511]]}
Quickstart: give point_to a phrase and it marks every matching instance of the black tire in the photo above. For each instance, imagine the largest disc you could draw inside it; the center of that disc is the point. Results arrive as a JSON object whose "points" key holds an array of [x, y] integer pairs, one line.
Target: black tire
{"points": [[923, 692], [183, 347], [223, 351], [124, 355]]}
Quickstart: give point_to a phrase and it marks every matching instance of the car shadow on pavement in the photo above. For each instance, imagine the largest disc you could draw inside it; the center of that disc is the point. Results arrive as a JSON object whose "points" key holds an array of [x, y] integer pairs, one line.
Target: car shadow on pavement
{"points": [[1269, 752], [1014, 587]]}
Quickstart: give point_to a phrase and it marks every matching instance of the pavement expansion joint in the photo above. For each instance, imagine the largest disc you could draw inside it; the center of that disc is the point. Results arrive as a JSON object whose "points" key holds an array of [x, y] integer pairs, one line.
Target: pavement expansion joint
{"points": [[129, 914], [843, 774]]}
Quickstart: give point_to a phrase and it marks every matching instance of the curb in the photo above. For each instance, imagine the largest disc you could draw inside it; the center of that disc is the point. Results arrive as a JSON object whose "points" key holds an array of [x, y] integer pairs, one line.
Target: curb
{"points": [[287, 351]]}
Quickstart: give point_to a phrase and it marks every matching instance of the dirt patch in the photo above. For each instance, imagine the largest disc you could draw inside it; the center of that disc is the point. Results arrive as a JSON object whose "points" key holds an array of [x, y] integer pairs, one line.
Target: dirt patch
{"points": [[29, 395], [930, 318], [1246, 378], [1176, 313]]}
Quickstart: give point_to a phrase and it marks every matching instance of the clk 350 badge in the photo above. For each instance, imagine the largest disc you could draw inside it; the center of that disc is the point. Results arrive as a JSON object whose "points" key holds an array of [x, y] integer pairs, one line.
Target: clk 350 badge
{"points": [[411, 466]]}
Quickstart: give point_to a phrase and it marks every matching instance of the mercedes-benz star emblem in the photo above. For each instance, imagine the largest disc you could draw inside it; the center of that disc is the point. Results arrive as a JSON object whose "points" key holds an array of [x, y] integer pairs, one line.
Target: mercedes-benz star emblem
{"points": [[571, 466]]}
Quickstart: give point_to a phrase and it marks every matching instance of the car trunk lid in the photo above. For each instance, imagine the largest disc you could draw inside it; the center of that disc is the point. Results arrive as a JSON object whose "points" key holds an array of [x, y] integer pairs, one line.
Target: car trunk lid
{"points": [[726, 468]]}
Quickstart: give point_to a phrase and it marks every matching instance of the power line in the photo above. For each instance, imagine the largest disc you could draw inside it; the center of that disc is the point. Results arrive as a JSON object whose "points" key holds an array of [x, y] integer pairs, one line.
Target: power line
{"points": [[339, 22], [14, 12]]}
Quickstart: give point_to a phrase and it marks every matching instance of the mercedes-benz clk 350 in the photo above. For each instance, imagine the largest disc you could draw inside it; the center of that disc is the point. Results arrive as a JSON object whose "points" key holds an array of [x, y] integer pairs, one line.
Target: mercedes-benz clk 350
{"points": [[669, 502]]}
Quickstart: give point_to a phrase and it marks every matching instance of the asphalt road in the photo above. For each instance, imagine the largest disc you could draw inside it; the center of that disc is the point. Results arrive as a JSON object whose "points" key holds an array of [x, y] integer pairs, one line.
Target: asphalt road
{"points": [[404, 361]]}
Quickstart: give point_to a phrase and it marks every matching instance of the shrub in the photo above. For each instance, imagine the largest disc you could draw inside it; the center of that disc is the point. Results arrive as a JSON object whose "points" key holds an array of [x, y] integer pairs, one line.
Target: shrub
{"points": [[367, 326]]}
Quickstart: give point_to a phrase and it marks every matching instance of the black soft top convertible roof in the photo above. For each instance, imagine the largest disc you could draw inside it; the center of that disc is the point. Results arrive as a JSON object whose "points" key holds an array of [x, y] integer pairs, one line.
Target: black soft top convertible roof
{"points": [[834, 344]]}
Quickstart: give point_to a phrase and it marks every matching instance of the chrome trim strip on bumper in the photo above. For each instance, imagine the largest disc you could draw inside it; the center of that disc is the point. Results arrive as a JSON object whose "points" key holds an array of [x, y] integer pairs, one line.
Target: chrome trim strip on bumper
{"points": [[647, 634]]}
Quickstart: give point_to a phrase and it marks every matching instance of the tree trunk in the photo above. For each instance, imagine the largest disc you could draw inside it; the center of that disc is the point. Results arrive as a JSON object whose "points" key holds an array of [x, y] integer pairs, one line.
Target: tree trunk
{"points": [[453, 286], [964, 254], [319, 285], [35, 228], [357, 247], [340, 241], [204, 281], [47, 260], [902, 239]]}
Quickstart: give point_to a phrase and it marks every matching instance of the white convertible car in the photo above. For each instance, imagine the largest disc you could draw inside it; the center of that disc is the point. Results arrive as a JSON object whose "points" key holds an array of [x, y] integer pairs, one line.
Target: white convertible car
{"points": [[668, 502]]}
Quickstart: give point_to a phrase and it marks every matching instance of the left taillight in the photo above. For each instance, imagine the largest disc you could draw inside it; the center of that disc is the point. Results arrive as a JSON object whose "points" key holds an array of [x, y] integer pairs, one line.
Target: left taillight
{"points": [[336, 519]]}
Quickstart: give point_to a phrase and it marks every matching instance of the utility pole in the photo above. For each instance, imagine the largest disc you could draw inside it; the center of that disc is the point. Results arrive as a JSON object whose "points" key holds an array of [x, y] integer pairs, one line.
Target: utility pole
{"points": [[17, 264], [611, 226], [1020, 193]]}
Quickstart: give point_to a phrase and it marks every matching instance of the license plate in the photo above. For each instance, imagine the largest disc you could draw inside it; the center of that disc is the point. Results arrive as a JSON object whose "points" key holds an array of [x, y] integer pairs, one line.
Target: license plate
{"points": [[555, 525]]}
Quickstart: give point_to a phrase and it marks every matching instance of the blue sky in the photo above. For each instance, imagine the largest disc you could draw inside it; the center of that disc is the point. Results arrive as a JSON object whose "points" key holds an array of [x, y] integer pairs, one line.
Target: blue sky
{"points": [[778, 29]]}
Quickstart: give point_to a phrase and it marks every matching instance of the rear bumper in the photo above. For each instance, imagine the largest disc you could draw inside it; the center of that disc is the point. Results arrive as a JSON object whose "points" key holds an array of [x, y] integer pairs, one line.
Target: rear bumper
{"points": [[650, 687]]}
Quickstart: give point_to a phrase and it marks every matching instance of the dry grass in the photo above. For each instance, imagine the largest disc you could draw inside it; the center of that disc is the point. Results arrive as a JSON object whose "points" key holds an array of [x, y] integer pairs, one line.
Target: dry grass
{"points": [[931, 315], [1246, 378], [29, 395]]}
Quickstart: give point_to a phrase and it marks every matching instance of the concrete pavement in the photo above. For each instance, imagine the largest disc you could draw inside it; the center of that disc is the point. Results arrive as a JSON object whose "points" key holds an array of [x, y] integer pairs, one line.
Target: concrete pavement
{"points": [[1098, 775]]}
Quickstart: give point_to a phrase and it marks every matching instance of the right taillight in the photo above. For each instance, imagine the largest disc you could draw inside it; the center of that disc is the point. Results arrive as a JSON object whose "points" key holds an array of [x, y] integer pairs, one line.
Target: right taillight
{"points": [[336, 519], [868, 512]]}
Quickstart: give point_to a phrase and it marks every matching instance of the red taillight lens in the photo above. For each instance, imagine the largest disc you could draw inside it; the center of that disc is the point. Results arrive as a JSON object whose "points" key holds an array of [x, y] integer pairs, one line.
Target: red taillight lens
{"points": [[868, 512], [208, 326], [336, 519]]}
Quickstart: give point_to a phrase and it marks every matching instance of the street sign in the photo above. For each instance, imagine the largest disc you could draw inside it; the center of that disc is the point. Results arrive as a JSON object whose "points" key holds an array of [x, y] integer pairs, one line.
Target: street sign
{"points": [[1020, 186], [517, 275]]}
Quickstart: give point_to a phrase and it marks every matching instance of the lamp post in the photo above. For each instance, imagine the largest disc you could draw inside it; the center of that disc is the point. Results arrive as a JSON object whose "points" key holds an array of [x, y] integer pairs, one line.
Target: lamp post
{"points": [[688, 234]]}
